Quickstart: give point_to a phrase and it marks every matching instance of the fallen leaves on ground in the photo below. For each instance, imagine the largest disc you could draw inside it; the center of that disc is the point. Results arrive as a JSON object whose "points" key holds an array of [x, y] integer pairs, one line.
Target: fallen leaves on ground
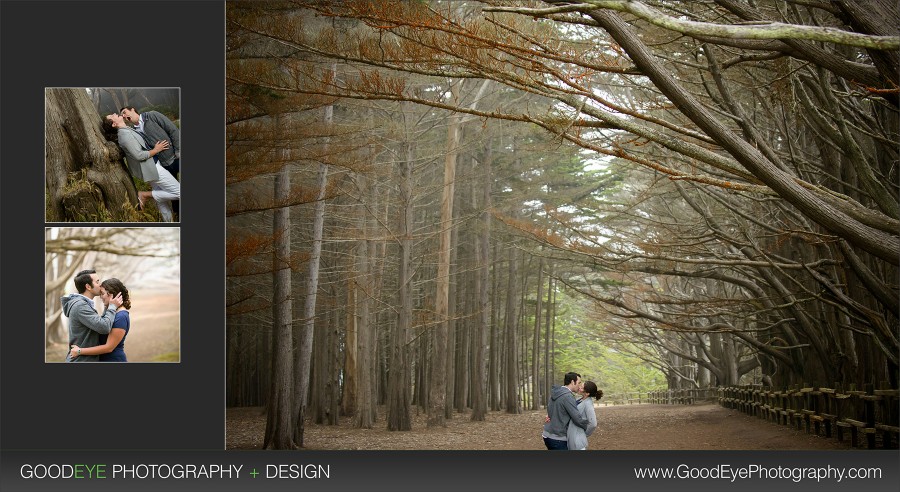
{"points": [[621, 427]]}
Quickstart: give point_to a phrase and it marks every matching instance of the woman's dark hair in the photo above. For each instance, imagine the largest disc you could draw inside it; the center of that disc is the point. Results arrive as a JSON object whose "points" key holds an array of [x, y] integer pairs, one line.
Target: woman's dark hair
{"points": [[114, 286], [590, 388], [109, 131]]}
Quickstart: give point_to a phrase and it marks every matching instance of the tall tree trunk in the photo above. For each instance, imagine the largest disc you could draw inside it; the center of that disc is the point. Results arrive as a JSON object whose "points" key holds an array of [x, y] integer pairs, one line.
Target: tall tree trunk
{"points": [[468, 351], [522, 333], [512, 352], [495, 364], [373, 287], [350, 395], [85, 175], [438, 392], [383, 325], [464, 300], [731, 359], [453, 348], [536, 345], [482, 293], [398, 411], [263, 360], [318, 403], [280, 418], [548, 380], [334, 373], [365, 350], [553, 342], [304, 356], [423, 347]]}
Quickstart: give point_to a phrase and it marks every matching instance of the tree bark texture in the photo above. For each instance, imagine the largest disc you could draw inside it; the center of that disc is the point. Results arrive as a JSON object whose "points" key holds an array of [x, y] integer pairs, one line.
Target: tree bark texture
{"points": [[86, 178], [437, 400], [399, 417], [281, 419], [511, 332]]}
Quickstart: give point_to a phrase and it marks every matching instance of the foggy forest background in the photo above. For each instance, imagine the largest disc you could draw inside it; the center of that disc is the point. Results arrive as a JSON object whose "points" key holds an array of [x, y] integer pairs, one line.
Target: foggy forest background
{"points": [[449, 204]]}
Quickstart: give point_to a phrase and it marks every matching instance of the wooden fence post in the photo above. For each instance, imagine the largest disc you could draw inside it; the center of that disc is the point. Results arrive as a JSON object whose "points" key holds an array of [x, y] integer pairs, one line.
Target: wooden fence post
{"points": [[889, 415], [828, 414], [869, 400], [839, 399]]}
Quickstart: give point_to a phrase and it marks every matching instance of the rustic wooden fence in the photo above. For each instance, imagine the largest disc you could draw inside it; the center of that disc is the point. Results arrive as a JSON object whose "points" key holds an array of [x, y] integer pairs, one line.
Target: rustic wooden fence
{"points": [[831, 411], [663, 397]]}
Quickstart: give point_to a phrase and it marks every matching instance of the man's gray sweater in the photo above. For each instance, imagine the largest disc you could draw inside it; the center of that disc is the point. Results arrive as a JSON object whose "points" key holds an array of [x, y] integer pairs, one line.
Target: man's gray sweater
{"points": [[85, 325], [562, 409]]}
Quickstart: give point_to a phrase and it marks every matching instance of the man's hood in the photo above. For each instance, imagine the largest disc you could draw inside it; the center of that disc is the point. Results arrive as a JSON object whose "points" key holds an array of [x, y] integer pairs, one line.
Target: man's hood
{"points": [[69, 301], [559, 391]]}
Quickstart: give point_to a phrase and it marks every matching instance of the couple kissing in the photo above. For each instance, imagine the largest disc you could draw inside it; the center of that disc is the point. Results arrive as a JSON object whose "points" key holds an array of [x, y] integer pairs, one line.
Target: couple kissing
{"points": [[93, 336], [570, 422]]}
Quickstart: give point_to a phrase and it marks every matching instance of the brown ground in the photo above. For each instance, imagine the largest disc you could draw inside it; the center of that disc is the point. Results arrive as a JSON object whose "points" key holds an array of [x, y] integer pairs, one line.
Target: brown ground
{"points": [[154, 335], [649, 427]]}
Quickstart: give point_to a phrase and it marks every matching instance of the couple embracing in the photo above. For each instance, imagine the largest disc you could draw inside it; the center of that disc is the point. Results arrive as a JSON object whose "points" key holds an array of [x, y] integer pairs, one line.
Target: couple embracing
{"points": [[569, 421], [152, 147], [97, 337]]}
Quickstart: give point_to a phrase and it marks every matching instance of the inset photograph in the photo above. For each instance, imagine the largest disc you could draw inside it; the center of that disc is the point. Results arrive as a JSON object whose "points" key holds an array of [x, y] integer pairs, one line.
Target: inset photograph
{"points": [[112, 154], [112, 294]]}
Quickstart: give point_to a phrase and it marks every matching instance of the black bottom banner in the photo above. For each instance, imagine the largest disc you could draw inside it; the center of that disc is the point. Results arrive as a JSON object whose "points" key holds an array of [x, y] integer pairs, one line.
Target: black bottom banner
{"points": [[180, 470]]}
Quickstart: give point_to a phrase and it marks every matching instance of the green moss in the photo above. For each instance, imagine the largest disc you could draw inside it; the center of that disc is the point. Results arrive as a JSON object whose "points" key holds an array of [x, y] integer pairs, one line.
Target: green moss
{"points": [[78, 182], [79, 189], [167, 357]]}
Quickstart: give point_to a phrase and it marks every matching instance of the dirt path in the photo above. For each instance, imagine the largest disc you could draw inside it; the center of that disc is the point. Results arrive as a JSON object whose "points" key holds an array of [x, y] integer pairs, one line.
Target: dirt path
{"points": [[700, 426], [158, 338]]}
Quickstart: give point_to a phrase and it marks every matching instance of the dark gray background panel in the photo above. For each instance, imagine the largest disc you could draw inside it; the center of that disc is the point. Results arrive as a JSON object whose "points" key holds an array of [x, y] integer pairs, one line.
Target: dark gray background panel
{"points": [[93, 44], [174, 413]]}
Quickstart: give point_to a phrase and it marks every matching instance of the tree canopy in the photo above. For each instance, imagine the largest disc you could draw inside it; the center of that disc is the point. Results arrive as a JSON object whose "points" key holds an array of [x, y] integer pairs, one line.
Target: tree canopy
{"points": [[717, 180]]}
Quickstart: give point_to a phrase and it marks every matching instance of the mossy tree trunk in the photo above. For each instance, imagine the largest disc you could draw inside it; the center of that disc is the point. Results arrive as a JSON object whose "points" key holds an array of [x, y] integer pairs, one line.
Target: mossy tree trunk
{"points": [[86, 177]]}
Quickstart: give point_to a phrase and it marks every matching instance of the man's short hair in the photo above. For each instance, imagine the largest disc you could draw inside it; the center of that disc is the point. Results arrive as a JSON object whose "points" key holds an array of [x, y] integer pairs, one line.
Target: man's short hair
{"points": [[83, 278], [569, 377], [128, 107]]}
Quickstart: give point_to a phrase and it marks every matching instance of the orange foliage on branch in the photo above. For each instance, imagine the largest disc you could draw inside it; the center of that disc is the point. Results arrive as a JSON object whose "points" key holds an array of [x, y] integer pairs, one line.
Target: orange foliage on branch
{"points": [[532, 229]]}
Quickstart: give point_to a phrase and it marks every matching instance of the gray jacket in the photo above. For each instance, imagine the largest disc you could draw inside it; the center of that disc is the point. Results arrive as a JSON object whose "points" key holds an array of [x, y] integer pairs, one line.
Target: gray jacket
{"points": [[562, 409], [140, 163], [158, 127], [85, 325], [578, 437]]}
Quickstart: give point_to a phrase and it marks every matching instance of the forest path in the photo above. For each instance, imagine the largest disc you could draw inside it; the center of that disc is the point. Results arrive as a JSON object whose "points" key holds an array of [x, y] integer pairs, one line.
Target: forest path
{"points": [[156, 336], [622, 427]]}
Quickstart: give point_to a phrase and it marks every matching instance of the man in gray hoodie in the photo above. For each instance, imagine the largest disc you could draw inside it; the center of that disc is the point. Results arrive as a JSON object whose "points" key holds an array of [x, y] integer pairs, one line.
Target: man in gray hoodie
{"points": [[155, 126], [561, 410], [85, 325]]}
